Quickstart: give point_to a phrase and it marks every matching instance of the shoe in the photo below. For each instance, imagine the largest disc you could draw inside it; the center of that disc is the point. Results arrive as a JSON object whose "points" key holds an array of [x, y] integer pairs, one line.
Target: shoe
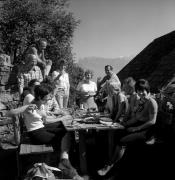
{"points": [[68, 170], [105, 170], [77, 177], [65, 163]]}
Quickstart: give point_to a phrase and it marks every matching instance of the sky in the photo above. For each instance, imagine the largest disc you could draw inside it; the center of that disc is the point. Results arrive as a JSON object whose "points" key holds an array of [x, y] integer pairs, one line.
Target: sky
{"points": [[115, 28]]}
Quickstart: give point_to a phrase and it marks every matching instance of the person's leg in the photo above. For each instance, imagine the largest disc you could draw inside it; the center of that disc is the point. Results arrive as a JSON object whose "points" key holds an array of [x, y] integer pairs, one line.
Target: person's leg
{"points": [[65, 165], [50, 134], [117, 156], [65, 146], [134, 138]]}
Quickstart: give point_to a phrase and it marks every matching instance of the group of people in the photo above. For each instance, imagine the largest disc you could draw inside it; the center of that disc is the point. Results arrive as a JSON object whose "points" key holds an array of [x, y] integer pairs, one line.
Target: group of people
{"points": [[44, 97], [128, 103], [136, 110]]}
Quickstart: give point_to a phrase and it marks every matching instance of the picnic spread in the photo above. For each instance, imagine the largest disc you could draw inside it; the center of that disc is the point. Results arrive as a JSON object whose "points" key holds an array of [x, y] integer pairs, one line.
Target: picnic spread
{"points": [[82, 120]]}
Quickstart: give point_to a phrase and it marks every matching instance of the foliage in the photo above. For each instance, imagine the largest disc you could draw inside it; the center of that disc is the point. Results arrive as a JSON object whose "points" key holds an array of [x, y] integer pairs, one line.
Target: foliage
{"points": [[23, 22], [76, 75]]}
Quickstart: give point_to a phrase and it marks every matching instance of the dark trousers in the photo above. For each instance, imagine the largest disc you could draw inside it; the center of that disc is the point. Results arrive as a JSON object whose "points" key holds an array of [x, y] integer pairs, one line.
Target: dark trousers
{"points": [[50, 134]]}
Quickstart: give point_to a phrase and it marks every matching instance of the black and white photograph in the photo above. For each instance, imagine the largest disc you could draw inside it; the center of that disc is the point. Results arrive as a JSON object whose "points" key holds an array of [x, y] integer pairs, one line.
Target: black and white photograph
{"points": [[87, 89]]}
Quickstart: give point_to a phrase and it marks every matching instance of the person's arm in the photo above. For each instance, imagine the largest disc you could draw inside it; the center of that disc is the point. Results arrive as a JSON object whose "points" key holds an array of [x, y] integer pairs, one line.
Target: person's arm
{"points": [[130, 122], [20, 83], [102, 81], [21, 109], [56, 77], [41, 63], [40, 75], [118, 81], [103, 88], [121, 107], [52, 119], [79, 90], [67, 84], [42, 56], [94, 89], [120, 110], [28, 99]]}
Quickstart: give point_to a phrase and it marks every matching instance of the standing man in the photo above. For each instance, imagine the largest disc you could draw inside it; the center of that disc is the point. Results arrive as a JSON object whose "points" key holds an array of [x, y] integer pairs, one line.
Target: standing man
{"points": [[39, 51], [103, 89], [110, 76]]}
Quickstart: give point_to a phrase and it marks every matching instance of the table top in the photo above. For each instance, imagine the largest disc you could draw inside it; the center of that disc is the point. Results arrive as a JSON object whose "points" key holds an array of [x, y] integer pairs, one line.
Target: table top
{"points": [[82, 120]]}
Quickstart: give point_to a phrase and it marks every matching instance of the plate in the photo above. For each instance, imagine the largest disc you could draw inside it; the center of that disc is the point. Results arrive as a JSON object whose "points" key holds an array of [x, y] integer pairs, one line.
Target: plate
{"points": [[77, 119], [106, 123], [105, 119], [90, 120]]}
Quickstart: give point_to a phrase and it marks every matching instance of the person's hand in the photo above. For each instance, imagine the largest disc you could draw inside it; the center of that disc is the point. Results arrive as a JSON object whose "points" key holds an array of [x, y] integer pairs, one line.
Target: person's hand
{"points": [[91, 93], [31, 107], [123, 123], [61, 73], [133, 129]]}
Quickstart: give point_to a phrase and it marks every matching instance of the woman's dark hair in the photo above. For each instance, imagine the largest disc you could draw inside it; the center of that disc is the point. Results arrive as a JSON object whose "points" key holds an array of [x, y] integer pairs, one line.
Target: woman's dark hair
{"points": [[26, 90], [32, 82], [129, 83], [62, 62], [88, 72], [42, 90], [142, 85], [49, 81]]}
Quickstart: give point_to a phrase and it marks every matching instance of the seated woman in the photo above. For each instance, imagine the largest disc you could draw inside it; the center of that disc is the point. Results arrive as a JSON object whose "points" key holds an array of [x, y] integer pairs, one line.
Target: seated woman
{"points": [[139, 127], [52, 107], [86, 91], [52, 133], [118, 106], [128, 88]]}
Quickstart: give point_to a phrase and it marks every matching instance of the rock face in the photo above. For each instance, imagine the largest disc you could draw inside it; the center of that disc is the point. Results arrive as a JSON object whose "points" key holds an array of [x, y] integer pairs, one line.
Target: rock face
{"points": [[156, 63], [7, 98], [5, 70]]}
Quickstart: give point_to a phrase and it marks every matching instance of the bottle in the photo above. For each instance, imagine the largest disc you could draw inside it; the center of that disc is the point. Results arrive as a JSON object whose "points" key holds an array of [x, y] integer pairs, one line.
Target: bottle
{"points": [[81, 106], [76, 136]]}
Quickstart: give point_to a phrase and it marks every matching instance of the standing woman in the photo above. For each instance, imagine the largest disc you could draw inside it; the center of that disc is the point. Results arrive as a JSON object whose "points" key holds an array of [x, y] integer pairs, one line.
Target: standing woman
{"points": [[86, 90], [61, 79]]}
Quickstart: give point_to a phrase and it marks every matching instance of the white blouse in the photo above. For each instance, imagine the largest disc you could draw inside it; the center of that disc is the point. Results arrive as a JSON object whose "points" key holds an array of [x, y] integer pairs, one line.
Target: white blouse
{"points": [[63, 81], [87, 87]]}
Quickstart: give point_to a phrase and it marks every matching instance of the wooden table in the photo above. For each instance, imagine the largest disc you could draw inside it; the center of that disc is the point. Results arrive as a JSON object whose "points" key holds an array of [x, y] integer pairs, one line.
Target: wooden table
{"points": [[80, 128]]}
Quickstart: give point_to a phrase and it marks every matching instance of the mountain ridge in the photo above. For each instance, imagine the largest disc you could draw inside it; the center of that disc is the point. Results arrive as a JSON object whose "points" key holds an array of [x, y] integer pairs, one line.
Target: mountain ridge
{"points": [[97, 64]]}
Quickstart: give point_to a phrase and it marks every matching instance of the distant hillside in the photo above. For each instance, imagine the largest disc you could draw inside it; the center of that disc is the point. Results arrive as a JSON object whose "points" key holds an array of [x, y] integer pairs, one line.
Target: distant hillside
{"points": [[97, 64], [156, 63]]}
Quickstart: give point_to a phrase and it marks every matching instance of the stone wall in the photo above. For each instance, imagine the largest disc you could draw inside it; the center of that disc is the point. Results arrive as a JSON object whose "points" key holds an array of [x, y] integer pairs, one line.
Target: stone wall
{"points": [[5, 69], [7, 97]]}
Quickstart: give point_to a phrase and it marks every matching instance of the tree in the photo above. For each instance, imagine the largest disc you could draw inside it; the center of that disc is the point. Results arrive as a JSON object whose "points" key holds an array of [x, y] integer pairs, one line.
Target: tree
{"points": [[23, 22]]}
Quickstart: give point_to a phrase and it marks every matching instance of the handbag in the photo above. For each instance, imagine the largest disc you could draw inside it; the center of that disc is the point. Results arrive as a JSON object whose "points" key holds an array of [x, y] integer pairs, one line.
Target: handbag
{"points": [[41, 171]]}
